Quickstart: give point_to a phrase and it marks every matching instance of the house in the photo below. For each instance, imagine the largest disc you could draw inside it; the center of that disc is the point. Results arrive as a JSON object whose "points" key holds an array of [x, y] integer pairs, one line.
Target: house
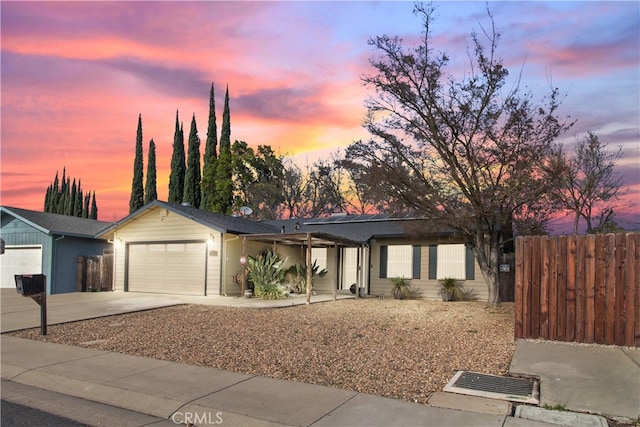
{"points": [[47, 243], [171, 248], [389, 246]]}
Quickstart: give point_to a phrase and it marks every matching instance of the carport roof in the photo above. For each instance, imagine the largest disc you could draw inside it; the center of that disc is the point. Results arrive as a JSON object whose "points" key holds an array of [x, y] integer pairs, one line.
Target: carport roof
{"points": [[318, 239], [51, 223]]}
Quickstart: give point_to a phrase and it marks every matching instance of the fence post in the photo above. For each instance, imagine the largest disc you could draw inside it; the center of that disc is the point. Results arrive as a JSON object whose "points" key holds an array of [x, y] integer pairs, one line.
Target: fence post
{"points": [[590, 287], [519, 279], [631, 309]]}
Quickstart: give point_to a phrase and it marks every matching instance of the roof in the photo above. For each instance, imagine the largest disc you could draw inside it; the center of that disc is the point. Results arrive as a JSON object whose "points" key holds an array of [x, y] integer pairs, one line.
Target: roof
{"points": [[363, 228], [51, 223], [219, 222]]}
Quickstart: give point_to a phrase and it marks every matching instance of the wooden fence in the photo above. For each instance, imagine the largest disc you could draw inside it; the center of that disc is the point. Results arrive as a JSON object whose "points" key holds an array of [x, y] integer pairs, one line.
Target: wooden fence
{"points": [[95, 273], [579, 288]]}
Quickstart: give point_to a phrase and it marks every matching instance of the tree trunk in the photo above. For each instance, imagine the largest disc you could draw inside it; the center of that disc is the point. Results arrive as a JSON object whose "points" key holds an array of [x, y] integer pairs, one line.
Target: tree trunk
{"points": [[486, 253]]}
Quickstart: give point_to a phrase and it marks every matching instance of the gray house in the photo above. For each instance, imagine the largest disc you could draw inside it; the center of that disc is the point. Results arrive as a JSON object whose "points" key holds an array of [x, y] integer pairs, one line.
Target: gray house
{"points": [[47, 243]]}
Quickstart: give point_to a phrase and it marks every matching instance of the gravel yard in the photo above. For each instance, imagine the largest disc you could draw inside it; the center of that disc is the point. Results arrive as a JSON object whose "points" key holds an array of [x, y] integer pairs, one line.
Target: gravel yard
{"points": [[392, 348]]}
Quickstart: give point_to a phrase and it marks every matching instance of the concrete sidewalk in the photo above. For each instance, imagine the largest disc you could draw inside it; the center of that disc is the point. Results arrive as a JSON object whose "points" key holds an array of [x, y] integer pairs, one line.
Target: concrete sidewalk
{"points": [[172, 391], [596, 379]]}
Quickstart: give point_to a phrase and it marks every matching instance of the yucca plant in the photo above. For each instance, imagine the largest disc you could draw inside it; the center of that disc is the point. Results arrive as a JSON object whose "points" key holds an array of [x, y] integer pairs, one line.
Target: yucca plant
{"points": [[400, 288], [450, 289], [266, 272]]}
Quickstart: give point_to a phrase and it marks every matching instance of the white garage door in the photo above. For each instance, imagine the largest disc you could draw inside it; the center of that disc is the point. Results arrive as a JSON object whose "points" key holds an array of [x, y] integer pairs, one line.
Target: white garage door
{"points": [[176, 268], [19, 260]]}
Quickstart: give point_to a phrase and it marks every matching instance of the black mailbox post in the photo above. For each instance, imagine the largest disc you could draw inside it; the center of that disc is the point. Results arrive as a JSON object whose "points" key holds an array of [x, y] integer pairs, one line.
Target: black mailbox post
{"points": [[35, 286]]}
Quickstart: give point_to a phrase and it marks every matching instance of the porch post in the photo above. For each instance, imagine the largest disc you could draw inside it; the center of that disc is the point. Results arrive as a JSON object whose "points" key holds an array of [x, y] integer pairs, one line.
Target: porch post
{"points": [[309, 268], [336, 276], [243, 284]]}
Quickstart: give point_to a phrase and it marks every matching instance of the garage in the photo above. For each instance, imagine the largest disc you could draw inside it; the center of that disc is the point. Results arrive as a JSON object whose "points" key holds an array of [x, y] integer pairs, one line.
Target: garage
{"points": [[170, 267], [19, 260]]}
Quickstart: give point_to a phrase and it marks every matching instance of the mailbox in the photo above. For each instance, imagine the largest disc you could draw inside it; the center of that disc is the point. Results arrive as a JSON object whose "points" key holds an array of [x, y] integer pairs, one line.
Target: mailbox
{"points": [[30, 284]]}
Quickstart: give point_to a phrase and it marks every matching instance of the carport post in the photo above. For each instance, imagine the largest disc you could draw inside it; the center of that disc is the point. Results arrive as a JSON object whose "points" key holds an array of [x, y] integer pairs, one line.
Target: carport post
{"points": [[309, 272], [336, 276]]}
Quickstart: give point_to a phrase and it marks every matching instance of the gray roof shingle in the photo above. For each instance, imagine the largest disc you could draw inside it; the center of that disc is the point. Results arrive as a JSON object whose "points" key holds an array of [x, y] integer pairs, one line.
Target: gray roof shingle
{"points": [[52, 223]]}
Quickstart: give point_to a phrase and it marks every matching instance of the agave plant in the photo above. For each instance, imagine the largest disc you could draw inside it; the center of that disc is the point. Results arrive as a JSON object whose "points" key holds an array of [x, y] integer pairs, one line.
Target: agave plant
{"points": [[266, 271], [298, 273]]}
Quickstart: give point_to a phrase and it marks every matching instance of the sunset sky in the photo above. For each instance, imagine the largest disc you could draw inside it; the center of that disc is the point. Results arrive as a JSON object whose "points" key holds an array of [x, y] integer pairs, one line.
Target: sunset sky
{"points": [[75, 76]]}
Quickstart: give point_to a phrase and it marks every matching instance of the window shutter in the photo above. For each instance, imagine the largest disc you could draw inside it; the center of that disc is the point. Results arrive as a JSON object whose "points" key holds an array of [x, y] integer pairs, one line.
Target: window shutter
{"points": [[470, 264], [417, 251], [383, 261], [433, 262]]}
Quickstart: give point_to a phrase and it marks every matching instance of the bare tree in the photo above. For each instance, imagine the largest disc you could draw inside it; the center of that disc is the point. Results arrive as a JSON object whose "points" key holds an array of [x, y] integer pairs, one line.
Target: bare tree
{"points": [[589, 186], [462, 151]]}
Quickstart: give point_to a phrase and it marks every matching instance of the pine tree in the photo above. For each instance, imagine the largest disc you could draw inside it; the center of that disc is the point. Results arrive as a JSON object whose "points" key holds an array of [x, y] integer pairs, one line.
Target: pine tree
{"points": [[223, 196], [192, 177], [210, 156], [178, 167], [150, 189], [137, 191]]}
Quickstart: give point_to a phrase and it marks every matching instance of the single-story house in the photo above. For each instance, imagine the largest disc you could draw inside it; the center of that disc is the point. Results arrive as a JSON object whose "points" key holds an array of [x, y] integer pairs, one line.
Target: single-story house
{"points": [[389, 246], [47, 243], [171, 248]]}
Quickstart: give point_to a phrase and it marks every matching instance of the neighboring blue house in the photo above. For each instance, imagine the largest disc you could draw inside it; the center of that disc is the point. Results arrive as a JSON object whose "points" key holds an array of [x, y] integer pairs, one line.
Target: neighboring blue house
{"points": [[47, 243]]}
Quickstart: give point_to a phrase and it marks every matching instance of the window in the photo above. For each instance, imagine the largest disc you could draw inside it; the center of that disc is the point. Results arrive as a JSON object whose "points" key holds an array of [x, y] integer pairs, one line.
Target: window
{"points": [[451, 261], [400, 261], [319, 255]]}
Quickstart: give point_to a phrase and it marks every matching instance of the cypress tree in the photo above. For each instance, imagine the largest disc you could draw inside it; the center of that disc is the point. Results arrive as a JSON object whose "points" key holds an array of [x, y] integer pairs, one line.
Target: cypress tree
{"points": [[85, 205], [210, 156], [150, 189], [94, 207], [178, 167], [192, 177], [77, 209], [137, 191], [223, 196]]}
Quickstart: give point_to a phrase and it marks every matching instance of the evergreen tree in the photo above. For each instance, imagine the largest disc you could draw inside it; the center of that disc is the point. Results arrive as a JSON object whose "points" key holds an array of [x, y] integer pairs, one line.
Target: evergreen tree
{"points": [[66, 199], [150, 189], [223, 196], [85, 205], [137, 191], [94, 207], [77, 208], [192, 177], [210, 156], [178, 167]]}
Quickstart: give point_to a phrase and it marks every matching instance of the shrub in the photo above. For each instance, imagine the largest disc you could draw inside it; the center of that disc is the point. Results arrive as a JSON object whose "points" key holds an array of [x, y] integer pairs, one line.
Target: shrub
{"points": [[266, 272], [297, 276], [402, 290], [450, 289]]}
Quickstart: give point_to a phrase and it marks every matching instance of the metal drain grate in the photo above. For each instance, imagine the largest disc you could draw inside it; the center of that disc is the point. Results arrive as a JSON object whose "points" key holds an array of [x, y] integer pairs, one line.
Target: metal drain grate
{"points": [[495, 387]]}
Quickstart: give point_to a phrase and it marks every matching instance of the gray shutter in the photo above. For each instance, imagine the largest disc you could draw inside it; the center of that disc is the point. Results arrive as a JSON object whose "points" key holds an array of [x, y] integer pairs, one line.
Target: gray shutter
{"points": [[383, 261], [417, 252], [433, 262], [470, 265]]}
